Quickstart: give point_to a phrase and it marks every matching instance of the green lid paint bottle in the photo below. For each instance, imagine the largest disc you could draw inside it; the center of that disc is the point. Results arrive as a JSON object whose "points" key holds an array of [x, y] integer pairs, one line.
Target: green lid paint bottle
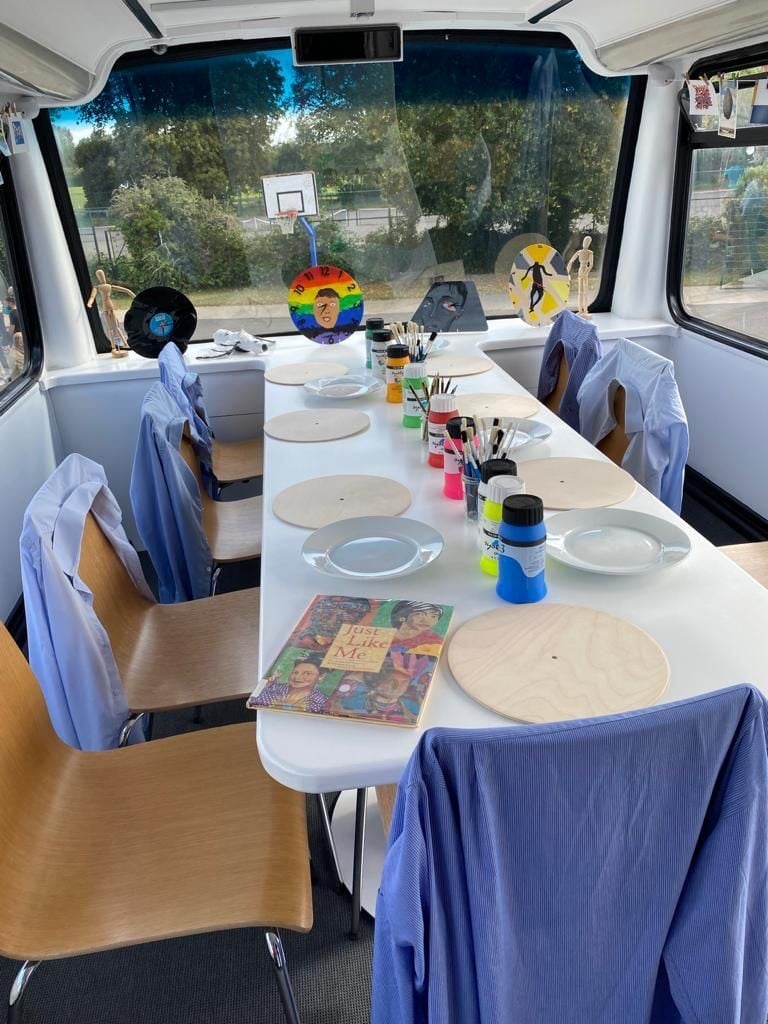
{"points": [[414, 379]]}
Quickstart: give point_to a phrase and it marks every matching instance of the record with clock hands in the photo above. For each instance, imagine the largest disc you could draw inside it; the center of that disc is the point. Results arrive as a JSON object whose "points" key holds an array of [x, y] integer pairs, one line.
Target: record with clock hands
{"points": [[326, 304], [157, 316]]}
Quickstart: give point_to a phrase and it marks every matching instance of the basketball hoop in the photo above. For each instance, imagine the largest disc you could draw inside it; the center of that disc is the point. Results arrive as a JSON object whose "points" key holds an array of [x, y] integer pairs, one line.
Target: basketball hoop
{"points": [[287, 220]]}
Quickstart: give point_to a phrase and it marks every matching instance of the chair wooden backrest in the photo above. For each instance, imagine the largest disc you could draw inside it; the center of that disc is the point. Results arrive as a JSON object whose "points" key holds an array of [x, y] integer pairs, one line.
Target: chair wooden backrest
{"points": [[120, 607], [189, 455], [555, 397], [616, 442]]}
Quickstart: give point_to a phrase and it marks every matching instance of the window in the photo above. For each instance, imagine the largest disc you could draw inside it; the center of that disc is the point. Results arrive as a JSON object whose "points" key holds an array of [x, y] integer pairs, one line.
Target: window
{"points": [[427, 170], [719, 260], [20, 348]]}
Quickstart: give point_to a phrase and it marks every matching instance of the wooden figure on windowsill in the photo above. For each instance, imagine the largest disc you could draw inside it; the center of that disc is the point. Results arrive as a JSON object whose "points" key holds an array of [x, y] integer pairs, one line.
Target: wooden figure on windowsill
{"points": [[112, 328], [586, 259]]}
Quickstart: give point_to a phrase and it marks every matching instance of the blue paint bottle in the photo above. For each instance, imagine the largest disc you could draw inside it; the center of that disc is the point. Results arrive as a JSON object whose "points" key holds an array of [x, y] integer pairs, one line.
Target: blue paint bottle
{"points": [[522, 540]]}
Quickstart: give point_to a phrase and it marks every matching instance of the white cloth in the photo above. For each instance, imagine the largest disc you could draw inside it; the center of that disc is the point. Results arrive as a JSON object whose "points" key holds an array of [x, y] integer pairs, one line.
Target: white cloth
{"points": [[69, 649]]}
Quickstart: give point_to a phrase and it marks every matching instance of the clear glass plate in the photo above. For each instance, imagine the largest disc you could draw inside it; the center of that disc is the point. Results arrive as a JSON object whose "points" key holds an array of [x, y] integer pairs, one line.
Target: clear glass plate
{"points": [[616, 542], [372, 547], [352, 386]]}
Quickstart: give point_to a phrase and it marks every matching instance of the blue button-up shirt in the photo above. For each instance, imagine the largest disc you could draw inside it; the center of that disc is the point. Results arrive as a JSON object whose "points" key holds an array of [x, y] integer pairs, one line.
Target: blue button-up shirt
{"points": [[605, 871], [186, 388], [576, 340], [656, 424], [69, 649], [166, 502]]}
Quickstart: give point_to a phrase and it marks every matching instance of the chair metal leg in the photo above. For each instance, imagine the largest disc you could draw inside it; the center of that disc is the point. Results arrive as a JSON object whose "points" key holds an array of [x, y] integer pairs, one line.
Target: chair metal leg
{"points": [[20, 983], [215, 573], [125, 732], [276, 951], [325, 818], [361, 806]]}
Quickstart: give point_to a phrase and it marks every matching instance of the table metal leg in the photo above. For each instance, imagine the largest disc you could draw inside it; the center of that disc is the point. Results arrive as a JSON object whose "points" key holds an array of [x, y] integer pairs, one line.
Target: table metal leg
{"points": [[357, 868]]}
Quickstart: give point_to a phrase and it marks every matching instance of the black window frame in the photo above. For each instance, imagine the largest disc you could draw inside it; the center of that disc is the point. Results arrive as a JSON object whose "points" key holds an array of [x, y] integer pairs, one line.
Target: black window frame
{"points": [[603, 301], [23, 287], [690, 141]]}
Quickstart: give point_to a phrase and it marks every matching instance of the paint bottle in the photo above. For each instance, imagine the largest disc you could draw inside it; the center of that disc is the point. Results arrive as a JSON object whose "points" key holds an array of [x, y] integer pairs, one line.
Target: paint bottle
{"points": [[453, 457], [488, 470], [373, 323], [497, 489], [441, 408], [398, 357], [380, 338], [522, 542], [415, 375]]}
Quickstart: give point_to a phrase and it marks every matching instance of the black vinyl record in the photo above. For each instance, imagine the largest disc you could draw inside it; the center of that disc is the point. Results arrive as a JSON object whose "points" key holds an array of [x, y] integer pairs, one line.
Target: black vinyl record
{"points": [[157, 316]]}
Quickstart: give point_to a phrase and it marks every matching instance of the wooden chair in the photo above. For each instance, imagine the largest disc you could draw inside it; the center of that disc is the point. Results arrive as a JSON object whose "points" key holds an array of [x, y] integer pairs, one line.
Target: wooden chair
{"points": [[555, 397], [104, 850], [171, 656], [616, 442], [233, 528], [753, 558], [235, 461]]}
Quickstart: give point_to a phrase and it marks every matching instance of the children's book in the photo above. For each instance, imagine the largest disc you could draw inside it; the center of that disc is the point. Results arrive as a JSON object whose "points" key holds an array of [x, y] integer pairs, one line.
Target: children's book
{"points": [[357, 657]]}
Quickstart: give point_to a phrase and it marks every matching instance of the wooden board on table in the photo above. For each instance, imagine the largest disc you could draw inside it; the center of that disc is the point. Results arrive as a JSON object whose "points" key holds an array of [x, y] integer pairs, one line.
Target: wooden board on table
{"points": [[504, 406], [549, 662], [449, 365], [577, 483], [300, 373], [329, 499], [310, 425]]}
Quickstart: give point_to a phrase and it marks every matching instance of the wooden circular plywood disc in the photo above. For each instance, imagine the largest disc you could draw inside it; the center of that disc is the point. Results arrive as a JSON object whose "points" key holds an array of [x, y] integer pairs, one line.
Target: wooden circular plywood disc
{"points": [[448, 365], [300, 373], [316, 425], [549, 662], [512, 406], [577, 483], [329, 499]]}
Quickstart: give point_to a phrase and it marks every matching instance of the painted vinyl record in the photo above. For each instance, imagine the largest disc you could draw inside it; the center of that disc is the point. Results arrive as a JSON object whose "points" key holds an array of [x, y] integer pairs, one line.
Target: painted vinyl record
{"points": [[157, 316], [539, 284], [326, 304]]}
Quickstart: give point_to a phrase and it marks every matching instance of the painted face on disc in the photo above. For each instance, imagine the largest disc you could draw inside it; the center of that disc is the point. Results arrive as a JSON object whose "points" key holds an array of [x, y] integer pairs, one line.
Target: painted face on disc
{"points": [[326, 304]]}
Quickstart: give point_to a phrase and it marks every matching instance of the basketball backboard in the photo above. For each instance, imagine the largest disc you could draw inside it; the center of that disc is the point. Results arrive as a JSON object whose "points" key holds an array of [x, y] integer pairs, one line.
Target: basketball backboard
{"points": [[295, 191]]}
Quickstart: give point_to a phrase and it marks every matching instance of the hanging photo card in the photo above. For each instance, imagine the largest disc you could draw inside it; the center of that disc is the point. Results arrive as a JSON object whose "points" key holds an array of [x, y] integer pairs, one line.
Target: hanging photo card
{"points": [[760, 103], [15, 134], [539, 284], [451, 306], [702, 97], [728, 108], [326, 304]]}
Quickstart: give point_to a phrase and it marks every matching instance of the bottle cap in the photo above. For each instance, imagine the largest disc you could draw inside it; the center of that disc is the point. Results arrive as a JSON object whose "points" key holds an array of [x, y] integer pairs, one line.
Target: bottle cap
{"points": [[501, 487], [398, 351], [497, 467], [443, 403], [522, 510], [374, 323], [382, 335], [453, 426], [415, 371]]}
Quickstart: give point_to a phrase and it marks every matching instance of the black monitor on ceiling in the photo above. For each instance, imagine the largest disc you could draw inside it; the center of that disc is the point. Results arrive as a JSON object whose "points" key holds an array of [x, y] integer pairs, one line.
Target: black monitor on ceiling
{"points": [[347, 45]]}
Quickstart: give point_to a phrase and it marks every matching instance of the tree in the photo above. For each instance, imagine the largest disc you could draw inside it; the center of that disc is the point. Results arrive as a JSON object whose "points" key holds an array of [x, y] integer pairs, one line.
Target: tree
{"points": [[95, 156]]}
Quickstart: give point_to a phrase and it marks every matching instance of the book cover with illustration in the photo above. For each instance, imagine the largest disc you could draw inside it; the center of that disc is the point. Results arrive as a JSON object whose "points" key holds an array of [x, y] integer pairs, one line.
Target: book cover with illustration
{"points": [[357, 657]]}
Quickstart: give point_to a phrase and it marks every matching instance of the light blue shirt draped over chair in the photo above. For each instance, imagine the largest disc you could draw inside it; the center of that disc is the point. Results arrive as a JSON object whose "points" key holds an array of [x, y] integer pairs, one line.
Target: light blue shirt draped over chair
{"points": [[185, 387], [656, 423], [166, 502], [574, 339], [604, 871], [69, 649]]}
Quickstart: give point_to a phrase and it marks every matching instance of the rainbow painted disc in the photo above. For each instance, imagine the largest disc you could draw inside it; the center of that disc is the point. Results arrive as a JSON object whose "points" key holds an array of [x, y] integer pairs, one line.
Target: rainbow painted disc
{"points": [[326, 304], [539, 284]]}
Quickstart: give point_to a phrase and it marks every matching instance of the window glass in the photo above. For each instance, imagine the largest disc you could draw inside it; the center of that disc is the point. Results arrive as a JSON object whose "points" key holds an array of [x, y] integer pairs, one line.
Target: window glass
{"points": [[725, 272], [14, 358], [430, 169]]}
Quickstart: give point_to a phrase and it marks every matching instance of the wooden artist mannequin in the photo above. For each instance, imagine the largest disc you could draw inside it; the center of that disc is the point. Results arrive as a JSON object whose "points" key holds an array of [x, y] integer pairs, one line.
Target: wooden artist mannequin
{"points": [[109, 313], [586, 259]]}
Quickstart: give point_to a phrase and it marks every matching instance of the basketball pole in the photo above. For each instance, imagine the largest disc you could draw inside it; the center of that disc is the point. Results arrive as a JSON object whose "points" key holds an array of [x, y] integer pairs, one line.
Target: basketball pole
{"points": [[312, 236]]}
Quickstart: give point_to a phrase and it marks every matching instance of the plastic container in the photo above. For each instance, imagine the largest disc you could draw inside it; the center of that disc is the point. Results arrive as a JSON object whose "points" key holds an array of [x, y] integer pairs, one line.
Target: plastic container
{"points": [[497, 489], [380, 339], [453, 457], [488, 470], [522, 542], [398, 357], [441, 408], [471, 484], [414, 374], [373, 323]]}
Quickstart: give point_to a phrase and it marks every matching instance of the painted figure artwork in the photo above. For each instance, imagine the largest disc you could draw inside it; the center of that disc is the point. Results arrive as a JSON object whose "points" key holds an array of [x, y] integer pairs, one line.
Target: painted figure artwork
{"points": [[355, 657], [326, 304], [539, 284]]}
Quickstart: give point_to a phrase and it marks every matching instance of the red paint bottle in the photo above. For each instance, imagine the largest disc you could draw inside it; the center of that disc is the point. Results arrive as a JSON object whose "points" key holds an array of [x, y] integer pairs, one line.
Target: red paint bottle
{"points": [[441, 409]]}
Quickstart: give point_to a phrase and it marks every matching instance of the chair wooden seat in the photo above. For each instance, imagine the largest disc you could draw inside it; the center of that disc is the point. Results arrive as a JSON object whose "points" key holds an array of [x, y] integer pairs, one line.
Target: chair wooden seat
{"points": [[238, 460], [171, 655], [104, 850], [753, 558]]}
